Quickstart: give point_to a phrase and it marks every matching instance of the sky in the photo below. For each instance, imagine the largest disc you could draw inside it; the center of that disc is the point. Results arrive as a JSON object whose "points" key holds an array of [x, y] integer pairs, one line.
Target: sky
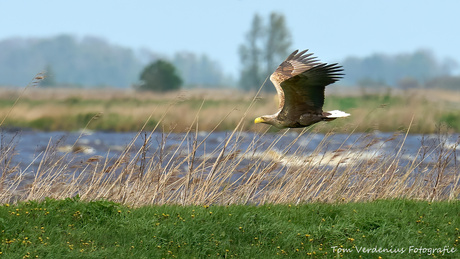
{"points": [[332, 29]]}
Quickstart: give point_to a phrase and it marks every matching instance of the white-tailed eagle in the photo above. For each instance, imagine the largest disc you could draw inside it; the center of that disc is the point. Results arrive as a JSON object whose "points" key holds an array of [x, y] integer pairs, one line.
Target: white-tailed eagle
{"points": [[300, 82]]}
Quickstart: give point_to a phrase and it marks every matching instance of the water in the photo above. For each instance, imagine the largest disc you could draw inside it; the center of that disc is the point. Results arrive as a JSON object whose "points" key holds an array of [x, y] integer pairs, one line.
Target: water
{"points": [[337, 149]]}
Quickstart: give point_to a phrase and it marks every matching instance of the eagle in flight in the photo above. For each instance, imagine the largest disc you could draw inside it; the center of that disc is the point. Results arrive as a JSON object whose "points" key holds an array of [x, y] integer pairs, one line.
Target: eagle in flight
{"points": [[300, 82]]}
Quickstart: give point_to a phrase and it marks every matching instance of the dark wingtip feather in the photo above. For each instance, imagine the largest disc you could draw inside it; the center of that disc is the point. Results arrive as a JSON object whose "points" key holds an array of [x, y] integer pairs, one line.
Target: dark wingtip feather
{"points": [[299, 55], [333, 71], [292, 54]]}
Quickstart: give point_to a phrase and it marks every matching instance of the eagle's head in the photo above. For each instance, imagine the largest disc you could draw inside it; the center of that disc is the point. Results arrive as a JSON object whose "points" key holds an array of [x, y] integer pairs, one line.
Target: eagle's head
{"points": [[260, 120], [268, 119]]}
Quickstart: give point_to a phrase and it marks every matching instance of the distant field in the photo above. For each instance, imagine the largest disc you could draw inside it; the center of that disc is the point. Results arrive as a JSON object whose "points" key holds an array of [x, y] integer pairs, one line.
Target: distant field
{"points": [[126, 110]]}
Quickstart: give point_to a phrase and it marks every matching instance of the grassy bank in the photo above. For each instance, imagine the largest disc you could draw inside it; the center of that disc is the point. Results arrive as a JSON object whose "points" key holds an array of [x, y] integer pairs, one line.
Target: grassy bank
{"points": [[74, 229], [117, 110]]}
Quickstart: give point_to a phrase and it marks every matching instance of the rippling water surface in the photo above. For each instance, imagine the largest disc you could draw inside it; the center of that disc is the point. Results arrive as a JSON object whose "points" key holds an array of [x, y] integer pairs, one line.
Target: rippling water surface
{"points": [[336, 149]]}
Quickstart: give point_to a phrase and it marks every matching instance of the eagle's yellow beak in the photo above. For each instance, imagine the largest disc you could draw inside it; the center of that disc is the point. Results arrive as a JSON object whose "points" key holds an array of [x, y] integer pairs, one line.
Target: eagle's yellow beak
{"points": [[259, 120]]}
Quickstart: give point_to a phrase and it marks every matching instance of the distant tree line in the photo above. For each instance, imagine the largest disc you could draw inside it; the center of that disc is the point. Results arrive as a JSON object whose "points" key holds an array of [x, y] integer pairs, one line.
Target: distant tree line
{"points": [[93, 62], [409, 70], [200, 71], [87, 62]]}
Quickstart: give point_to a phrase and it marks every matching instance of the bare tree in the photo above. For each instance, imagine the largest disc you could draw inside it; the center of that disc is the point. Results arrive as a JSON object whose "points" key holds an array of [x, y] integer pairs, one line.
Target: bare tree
{"points": [[251, 55], [264, 49], [278, 41]]}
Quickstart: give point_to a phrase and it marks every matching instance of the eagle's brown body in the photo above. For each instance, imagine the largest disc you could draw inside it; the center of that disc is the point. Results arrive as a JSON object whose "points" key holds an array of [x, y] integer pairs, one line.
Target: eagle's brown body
{"points": [[300, 82]]}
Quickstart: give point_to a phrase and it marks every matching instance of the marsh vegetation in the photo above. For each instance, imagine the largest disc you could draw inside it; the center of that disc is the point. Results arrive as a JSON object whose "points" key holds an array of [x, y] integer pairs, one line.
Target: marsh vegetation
{"points": [[221, 110]]}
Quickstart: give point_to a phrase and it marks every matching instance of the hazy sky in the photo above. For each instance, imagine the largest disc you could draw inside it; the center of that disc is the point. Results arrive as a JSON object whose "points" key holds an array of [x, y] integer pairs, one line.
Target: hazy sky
{"points": [[332, 29]]}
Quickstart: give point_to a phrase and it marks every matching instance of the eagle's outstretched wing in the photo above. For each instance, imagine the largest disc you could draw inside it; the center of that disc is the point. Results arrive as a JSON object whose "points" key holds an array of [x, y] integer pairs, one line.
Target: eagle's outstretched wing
{"points": [[295, 64], [304, 92]]}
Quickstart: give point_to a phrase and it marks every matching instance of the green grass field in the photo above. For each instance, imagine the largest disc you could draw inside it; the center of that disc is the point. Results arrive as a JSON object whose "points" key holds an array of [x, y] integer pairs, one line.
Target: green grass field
{"points": [[72, 228]]}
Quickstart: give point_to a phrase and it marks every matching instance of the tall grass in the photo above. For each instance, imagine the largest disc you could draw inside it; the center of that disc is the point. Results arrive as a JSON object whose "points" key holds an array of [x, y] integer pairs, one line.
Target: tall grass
{"points": [[236, 173]]}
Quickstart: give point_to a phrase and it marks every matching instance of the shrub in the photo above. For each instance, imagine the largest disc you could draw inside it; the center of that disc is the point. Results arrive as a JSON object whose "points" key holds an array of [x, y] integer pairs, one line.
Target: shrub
{"points": [[160, 76]]}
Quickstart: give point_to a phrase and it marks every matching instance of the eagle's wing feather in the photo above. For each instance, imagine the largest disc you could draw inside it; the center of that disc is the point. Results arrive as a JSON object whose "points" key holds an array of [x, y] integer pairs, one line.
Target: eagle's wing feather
{"points": [[304, 92], [295, 64]]}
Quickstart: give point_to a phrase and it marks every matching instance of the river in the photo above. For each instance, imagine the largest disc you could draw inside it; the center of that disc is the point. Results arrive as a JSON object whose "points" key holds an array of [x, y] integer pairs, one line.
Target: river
{"points": [[27, 148]]}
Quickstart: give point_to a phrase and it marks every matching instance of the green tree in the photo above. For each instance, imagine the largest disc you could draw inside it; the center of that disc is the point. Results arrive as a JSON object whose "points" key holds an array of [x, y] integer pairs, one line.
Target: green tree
{"points": [[160, 76], [265, 47]]}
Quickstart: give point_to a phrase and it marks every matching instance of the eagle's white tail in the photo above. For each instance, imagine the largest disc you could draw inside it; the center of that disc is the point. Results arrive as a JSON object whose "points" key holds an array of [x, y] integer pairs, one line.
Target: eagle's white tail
{"points": [[337, 114]]}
